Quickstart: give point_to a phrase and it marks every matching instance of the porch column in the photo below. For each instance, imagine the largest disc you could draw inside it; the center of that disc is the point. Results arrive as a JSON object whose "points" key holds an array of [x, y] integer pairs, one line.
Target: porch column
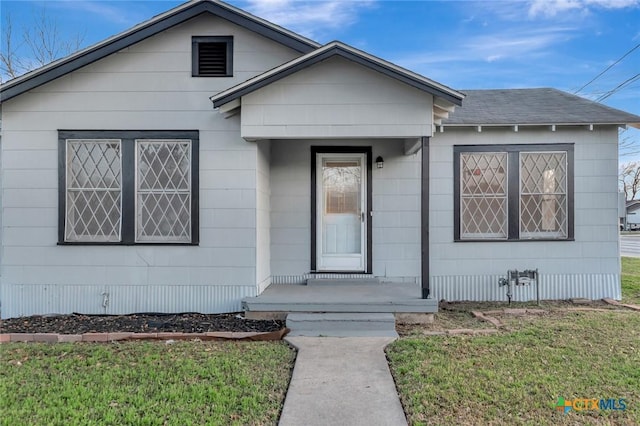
{"points": [[424, 212]]}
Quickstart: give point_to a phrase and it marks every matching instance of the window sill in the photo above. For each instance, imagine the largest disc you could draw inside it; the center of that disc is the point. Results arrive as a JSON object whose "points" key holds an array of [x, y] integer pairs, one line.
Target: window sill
{"points": [[119, 243]]}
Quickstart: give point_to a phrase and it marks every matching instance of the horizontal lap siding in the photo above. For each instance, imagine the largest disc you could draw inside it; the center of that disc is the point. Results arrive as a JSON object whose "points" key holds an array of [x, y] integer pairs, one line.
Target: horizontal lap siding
{"points": [[336, 98], [147, 86], [587, 267]]}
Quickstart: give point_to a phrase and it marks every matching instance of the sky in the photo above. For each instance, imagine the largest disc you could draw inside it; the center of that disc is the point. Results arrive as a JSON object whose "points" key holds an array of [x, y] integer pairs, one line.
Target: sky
{"points": [[563, 44]]}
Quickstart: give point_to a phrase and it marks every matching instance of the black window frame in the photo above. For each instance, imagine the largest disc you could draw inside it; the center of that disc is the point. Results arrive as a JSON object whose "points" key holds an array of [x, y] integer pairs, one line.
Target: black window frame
{"points": [[128, 187], [513, 188], [195, 54]]}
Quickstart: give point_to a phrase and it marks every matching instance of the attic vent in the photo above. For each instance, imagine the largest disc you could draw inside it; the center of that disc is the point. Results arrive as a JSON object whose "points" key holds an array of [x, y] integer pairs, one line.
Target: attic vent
{"points": [[212, 56]]}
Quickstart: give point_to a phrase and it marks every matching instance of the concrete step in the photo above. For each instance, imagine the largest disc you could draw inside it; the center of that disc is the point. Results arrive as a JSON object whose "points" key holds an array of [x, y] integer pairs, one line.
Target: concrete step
{"points": [[336, 324], [342, 281]]}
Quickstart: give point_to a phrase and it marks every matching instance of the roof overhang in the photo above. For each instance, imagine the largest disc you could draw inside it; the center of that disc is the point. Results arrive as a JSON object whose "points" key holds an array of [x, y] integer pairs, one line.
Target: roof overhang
{"points": [[147, 29], [516, 127], [447, 98]]}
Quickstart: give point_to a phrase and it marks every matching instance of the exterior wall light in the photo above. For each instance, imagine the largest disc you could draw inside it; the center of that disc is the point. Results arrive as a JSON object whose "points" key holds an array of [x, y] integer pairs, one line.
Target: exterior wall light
{"points": [[380, 162]]}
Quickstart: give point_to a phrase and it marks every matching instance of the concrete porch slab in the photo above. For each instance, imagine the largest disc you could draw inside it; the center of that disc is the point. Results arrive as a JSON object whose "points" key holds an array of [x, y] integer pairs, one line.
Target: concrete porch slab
{"points": [[386, 297]]}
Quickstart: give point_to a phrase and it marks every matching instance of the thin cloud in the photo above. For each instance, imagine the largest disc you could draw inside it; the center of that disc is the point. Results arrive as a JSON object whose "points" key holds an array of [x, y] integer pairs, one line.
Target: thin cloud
{"points": [[552, 8], [505, 44], [492, 47], [116, 12], [309, 17]]}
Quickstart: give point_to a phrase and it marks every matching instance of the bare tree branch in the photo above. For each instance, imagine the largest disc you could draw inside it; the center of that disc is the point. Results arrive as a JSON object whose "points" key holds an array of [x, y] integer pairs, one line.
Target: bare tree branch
{"points": [[10, 66], [40, 43], [629, 178]]}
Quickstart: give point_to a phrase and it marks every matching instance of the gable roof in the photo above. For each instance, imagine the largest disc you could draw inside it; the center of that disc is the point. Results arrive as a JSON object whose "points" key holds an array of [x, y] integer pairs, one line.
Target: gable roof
{"points": [[330, 50], [543, 106], [147, 29]]}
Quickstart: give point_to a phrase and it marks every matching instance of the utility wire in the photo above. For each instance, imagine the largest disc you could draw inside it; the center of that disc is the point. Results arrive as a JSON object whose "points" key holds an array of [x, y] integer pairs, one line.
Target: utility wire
{"points": [[608, 68], [618, 87]]}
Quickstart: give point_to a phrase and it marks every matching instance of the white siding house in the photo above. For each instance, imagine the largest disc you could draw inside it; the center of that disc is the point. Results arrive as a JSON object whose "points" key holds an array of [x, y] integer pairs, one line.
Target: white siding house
{"points": [[196, 159]]}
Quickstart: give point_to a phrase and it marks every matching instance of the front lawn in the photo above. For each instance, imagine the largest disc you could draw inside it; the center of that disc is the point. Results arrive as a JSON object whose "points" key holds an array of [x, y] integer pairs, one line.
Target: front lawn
{"points": [[144, 383], [517, 375], [631, 280]]}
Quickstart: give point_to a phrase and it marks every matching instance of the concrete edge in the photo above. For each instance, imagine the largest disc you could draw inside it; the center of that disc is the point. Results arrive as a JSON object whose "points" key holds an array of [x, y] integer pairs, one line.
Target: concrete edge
{"points": [[625, 305], [126, 336]]}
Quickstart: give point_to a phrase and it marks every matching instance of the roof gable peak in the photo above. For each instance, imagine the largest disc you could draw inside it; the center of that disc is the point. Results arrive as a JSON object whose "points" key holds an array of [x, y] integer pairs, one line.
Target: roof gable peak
{"points": [[329, 50], [148, 28]]}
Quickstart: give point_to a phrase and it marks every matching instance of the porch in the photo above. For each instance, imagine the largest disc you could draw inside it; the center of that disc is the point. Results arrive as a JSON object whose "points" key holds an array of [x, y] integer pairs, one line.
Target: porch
{"points": [[339, 296]]}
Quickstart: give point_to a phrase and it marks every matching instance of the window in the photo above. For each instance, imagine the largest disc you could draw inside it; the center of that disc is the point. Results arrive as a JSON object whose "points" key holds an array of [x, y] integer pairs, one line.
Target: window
{"points": [[513, 192], [212, 56], [543, 195], [128, 187], [94, 190], [342, 187], [483, 196]]}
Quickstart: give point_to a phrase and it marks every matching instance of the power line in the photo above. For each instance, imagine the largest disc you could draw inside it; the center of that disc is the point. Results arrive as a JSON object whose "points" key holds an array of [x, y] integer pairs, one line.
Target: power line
{"points": [[608, 68], [618, 87]]}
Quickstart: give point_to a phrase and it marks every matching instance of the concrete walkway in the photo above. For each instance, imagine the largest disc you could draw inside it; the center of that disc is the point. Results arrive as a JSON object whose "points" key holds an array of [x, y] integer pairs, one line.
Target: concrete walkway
{"points": [[341, 381]]}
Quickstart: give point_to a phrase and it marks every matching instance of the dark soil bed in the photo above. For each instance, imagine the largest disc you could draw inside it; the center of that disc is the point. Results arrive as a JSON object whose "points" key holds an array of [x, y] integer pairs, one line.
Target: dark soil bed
{"points": [[137, 323]]}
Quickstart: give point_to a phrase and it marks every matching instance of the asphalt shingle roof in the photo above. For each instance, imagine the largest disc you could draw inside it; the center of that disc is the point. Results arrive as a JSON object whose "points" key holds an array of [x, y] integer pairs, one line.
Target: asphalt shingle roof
{"points": [[533, 106]]}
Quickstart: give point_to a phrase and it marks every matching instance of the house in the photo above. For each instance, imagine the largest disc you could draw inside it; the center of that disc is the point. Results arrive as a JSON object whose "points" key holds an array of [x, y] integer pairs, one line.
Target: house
{"points": [[632, 219], [206, 154]]}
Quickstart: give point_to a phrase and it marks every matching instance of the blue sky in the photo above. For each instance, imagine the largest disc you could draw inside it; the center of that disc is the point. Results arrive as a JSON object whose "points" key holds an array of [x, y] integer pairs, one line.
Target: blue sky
{"points": [[463, 44]]}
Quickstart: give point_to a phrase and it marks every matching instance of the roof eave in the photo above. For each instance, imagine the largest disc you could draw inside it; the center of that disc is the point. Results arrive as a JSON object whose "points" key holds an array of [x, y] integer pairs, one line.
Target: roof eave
{"points": [[525, 124]]}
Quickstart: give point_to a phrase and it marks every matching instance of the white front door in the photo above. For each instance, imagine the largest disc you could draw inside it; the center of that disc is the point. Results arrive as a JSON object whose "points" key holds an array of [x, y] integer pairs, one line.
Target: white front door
{"points": [[341, 219]]}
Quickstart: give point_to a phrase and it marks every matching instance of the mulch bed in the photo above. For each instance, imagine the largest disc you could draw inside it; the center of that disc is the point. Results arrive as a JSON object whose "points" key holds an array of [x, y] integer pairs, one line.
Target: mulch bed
{"points": [[137, 323]]}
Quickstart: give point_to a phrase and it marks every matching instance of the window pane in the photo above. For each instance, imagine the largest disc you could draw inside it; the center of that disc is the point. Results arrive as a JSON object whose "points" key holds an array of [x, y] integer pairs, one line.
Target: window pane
{"points": [[93, 190], [342, 186], [483, 173], [164, 217], [163, 190], [543, 195], [484, 217], [164, 165], [483, 195]]}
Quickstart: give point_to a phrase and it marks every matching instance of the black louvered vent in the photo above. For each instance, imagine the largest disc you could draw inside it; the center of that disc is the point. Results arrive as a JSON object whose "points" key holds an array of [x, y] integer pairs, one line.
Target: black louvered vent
{"points": [[212, 59]]}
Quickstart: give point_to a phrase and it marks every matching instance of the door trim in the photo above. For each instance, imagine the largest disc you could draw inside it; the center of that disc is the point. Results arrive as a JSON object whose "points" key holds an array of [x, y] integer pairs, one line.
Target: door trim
{"points": [[314, 206]]}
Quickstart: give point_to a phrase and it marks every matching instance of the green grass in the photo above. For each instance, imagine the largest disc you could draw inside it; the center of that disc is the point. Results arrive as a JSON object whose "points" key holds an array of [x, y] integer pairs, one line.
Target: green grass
{"points": [[631, 280], [144, 383], [516, 377]]}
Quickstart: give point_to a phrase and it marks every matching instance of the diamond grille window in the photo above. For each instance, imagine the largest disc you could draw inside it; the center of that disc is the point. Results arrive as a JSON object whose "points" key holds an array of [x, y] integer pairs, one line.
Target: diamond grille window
{"points": [[128, 187], [513, 192], [543, 195], [483, 194], [163, 190], [93, 190]]}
